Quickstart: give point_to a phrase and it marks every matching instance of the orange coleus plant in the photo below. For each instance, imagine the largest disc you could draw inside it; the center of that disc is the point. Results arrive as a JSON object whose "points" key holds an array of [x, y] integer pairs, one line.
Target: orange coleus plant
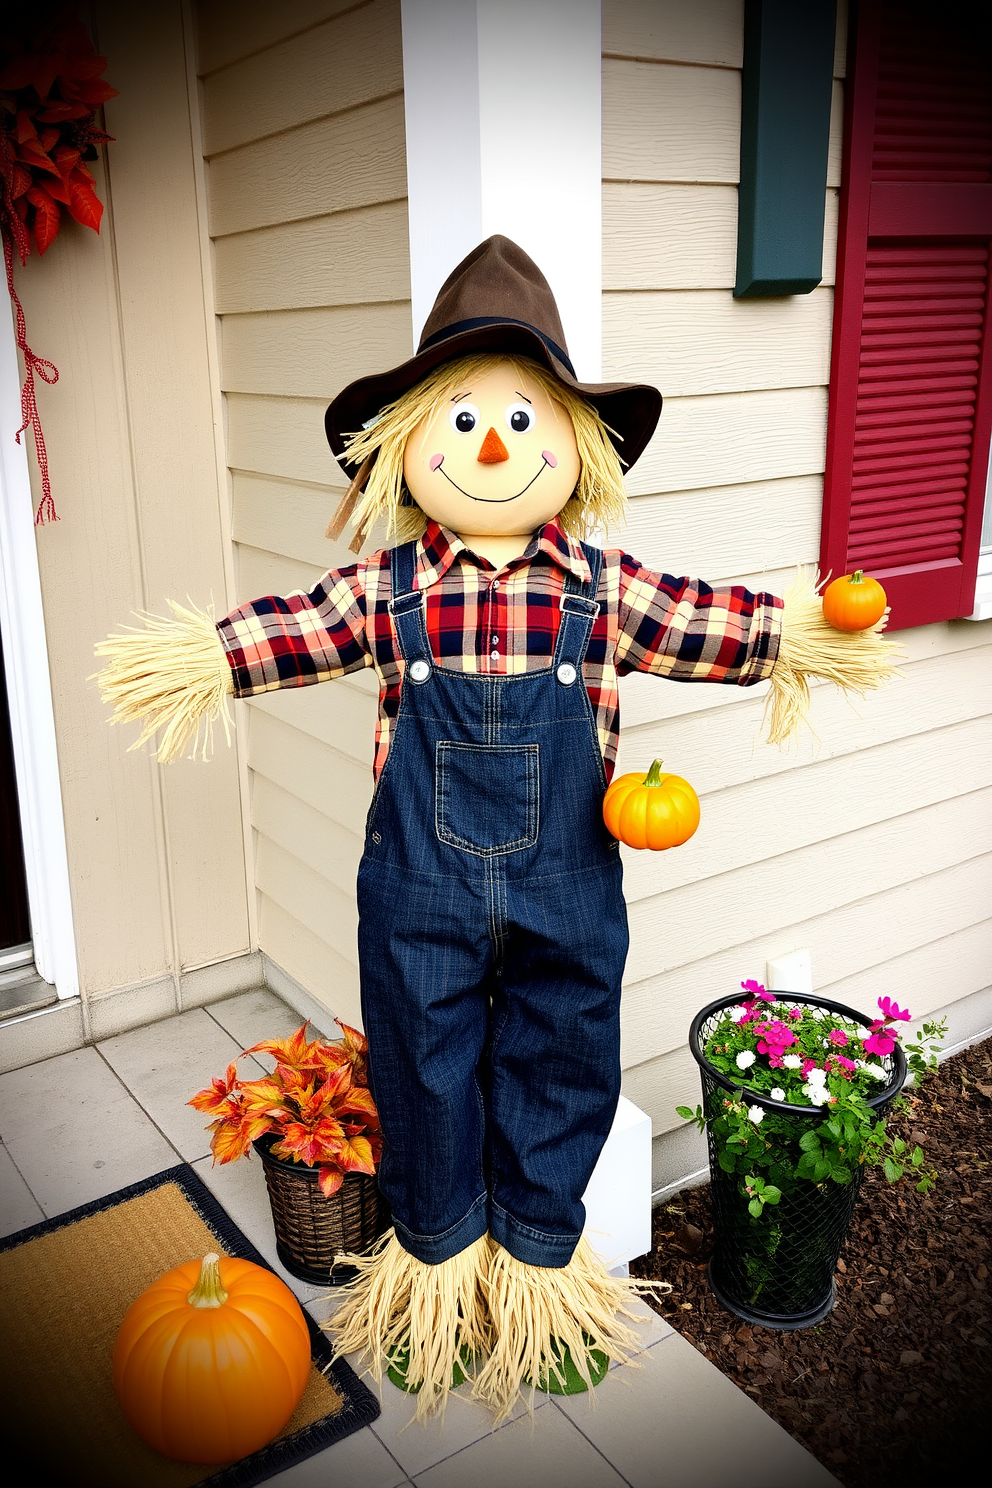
{"points": [[317, 1098]]}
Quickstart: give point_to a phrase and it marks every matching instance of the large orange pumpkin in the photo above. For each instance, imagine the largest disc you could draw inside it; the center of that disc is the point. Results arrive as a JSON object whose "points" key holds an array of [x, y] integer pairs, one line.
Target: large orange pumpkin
{"points": [[211, 1360], [854, 602], [654, 810]]}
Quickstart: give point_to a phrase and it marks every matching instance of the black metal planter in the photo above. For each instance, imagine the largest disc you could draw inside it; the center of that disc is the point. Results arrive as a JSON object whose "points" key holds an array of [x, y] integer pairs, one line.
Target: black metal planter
{"points": [[311, 1230], [777, 1271]]}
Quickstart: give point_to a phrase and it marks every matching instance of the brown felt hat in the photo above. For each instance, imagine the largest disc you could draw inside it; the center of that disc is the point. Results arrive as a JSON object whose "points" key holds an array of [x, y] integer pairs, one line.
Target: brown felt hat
{"points": [[497, 299]]}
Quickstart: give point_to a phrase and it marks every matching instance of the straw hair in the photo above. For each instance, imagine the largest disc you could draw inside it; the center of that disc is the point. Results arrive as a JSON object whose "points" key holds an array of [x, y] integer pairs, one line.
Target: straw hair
{"points": [[436, 1313], [856, 661], [599, 500], [577, 1307], [172, 675]]}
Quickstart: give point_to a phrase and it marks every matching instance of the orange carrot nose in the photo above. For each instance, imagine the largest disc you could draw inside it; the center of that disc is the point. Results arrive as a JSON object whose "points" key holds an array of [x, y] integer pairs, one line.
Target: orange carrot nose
{"points": [[493, 449]]}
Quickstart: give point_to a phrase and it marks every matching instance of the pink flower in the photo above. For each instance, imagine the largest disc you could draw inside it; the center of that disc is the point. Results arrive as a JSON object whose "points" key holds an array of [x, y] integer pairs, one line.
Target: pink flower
{"points": [[792, 1013], [838, 1036], [881, 1042], [755, 989], [846, 1066], [808, 1064], [892, 1010], [774, 1061], [777, 1033]]}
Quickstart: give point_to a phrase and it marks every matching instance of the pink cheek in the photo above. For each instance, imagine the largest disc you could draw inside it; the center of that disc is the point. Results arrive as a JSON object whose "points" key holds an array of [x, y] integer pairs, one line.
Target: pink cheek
{"points": [[436, 460], [550, 458]]}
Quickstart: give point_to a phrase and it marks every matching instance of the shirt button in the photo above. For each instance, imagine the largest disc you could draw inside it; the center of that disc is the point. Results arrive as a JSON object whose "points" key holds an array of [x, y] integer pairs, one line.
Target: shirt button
{"points": [[495, 640], [494, 655], [566, 674], [494, 584]]}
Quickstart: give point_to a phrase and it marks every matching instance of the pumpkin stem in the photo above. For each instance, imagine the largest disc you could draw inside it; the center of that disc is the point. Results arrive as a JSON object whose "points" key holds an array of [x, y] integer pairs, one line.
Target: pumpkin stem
{"points": [[208, 1291], [857, 576], [653, 777]]}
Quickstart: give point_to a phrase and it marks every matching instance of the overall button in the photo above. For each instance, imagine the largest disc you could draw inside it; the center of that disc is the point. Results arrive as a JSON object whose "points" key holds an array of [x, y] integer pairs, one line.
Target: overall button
{"points": [[419, 671], [566, 674]]}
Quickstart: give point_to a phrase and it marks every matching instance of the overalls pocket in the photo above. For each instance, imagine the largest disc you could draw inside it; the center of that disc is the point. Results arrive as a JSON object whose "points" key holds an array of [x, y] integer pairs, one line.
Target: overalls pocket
{"points": [[487, 796]]}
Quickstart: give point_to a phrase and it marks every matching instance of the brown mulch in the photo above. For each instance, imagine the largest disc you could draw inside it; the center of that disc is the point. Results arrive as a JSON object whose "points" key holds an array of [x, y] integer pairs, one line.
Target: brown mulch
{"points": [[895, 1385]]}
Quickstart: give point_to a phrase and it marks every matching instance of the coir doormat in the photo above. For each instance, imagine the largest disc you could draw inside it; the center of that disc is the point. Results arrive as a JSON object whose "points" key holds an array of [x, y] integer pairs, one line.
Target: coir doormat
{"points": [[66, 1285]]}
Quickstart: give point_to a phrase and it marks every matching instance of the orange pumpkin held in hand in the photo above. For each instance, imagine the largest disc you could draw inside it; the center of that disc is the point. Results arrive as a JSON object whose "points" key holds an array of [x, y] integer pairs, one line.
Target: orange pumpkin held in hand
{"points": [[209, 1365], [653, 810], [854, 602]]}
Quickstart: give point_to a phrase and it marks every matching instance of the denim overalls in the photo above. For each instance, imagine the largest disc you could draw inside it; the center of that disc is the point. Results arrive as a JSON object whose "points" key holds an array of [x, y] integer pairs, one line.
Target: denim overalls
{"points": [[492, 940]]}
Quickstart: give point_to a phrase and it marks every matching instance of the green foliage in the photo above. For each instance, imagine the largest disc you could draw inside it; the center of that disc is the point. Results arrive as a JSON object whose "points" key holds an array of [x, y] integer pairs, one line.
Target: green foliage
{"points": [[772, 1152]]}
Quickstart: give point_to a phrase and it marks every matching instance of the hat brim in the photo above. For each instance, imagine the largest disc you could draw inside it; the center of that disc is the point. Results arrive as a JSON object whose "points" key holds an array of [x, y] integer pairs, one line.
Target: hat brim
{"points": [[630, 410]]}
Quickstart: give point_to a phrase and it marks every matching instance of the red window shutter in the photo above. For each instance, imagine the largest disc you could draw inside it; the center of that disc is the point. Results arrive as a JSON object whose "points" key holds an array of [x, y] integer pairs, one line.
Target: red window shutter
{"points": [[911, 374]]}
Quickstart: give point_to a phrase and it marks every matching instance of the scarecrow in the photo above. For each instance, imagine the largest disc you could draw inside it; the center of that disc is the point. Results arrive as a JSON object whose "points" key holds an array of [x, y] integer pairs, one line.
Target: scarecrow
{"points": [[493, 931]]}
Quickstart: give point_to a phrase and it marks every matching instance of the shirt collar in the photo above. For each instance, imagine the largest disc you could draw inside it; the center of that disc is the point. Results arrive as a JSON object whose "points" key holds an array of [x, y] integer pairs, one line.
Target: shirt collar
{"points": [[439, 547]]}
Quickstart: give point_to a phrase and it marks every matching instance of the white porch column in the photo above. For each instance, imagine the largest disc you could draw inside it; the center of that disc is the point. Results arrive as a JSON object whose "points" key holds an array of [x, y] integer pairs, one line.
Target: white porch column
{"points": [[503, 135]]}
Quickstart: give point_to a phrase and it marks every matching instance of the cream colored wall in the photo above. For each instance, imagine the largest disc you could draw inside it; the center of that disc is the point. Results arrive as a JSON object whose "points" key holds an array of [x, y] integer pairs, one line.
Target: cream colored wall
{"points": [[870, 846], [304, 141], [156, 855]]}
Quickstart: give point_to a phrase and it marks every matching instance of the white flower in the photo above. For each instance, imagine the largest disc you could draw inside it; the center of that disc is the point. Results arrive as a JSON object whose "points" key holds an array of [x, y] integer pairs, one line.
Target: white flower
{"points": [[875, 1070], [818, 1095], [735, 1012], [817, 1076], [791, 1061], [755, 1114], [745, 1059], [778, 1093]]}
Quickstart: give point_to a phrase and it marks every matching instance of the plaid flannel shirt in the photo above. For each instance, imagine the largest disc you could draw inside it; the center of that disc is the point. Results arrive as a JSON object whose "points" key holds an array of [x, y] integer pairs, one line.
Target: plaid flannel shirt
{"points": [[482, 619]]}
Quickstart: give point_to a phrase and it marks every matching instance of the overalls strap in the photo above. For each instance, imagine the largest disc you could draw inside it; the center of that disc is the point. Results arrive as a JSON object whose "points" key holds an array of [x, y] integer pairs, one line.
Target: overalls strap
{"points": [[407, 605], [579, 609]]}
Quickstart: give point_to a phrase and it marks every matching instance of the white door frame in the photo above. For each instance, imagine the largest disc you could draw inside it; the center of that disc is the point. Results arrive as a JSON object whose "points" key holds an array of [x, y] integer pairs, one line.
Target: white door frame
{"points": [[29, 694]]}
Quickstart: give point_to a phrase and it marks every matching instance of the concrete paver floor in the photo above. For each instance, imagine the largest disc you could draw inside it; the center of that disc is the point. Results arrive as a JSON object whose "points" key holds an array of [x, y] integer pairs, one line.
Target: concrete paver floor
{"points": [[121, 1116]]}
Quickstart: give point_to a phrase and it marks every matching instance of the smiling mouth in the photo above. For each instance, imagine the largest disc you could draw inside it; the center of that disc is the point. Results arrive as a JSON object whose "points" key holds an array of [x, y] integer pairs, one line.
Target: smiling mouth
{"points": [[490, 500]]}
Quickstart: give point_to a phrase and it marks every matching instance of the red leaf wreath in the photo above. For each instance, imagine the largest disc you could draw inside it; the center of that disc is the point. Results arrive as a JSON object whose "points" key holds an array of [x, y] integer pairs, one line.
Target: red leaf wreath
{"points": [[51, 87]]}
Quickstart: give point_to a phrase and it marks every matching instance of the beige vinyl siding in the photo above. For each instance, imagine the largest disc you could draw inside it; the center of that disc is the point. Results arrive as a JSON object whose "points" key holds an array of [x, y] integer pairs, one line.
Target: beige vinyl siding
{"points": [[304, 139], [869, 844], [156, 855]]}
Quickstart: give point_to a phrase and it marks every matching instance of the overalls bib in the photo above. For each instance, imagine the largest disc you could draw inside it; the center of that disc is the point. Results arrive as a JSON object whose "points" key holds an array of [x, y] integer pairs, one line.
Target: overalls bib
{"points": [[492, 939]]}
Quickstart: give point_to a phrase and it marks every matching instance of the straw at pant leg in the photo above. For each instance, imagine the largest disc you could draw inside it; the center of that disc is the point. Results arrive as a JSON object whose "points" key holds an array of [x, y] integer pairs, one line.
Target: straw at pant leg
{"points": [[537, 1312], [436, 1313]]}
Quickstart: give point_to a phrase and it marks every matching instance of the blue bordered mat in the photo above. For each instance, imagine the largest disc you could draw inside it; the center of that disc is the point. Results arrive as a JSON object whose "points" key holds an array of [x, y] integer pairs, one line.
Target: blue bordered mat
{"points": [[359, 1406]]}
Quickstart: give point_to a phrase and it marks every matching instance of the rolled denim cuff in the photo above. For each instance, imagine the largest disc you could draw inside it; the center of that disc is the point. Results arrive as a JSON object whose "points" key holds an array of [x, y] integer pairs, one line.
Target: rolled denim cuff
{"points": [[433, 1249], [532, 1247]]}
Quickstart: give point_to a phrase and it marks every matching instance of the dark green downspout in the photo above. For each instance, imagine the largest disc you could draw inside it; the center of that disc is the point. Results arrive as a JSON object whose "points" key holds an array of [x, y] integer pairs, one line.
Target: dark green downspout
{"points": [[785, 137]]}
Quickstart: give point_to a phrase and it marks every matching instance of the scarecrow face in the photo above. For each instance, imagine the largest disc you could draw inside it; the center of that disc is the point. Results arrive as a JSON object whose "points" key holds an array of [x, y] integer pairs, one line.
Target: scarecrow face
{"points": [[499, 458]]}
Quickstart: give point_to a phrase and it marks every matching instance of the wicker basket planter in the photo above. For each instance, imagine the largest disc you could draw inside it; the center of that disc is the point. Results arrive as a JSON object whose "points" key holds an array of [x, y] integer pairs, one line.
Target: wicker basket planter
{"points": [[311, 1230], [777, 1270]]}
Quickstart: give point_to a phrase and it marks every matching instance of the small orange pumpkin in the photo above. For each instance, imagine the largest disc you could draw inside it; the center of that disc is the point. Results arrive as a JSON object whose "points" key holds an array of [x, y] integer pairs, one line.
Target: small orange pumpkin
{"points": [[654, 810], [209, 1365], [854, 602]]}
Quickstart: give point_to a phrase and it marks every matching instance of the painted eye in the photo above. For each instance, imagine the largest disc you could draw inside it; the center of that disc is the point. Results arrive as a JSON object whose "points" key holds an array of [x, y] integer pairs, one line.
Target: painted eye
{"points": [[464, 417], [520, 417]]}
